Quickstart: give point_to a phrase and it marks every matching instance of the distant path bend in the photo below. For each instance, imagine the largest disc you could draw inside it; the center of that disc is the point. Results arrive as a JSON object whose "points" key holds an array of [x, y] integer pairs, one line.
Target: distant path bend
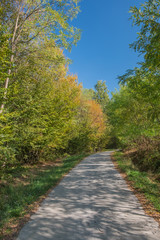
{"points": [[92, 202]]}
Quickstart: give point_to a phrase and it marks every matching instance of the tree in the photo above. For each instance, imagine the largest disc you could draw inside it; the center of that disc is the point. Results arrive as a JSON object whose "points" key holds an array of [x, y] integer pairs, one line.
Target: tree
{"points": [[148, 42], [98, 125], [144, 80], [4, 56], [29, 22], [41, 107], [134, 111], [90, 134], [128, 115], [88, 93], [101, 94]]}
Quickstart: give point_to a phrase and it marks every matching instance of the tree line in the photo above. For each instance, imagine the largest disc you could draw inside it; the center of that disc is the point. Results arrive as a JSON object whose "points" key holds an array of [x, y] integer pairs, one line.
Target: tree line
{"points": [[45, 112], [134, 110]]}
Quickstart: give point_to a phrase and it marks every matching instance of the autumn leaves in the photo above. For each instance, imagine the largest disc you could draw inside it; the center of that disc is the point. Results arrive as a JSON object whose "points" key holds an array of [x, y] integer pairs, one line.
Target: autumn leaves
{"points": [[43, 110]]}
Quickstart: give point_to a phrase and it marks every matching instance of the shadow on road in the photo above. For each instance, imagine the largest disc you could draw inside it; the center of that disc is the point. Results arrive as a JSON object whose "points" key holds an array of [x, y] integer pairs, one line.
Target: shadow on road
{"points": [[92, 202]]}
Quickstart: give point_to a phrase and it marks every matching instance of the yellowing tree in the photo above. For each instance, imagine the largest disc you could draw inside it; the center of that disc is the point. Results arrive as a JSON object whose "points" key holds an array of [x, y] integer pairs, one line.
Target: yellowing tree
{"points": [[29, 22], [97, 123], [91, 127]]}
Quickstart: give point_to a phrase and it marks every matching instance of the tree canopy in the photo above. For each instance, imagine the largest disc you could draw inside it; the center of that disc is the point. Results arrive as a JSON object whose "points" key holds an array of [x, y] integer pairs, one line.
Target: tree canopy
{"points": [[45, 111]]}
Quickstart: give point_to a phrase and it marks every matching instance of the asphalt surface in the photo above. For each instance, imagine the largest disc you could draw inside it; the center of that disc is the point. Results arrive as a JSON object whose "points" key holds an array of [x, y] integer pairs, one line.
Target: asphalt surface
{"points": [[92, 202]]}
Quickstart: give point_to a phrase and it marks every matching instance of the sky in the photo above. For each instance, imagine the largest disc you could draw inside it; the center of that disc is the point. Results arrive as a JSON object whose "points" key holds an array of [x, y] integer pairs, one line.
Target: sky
{"points": [[103, 52]]}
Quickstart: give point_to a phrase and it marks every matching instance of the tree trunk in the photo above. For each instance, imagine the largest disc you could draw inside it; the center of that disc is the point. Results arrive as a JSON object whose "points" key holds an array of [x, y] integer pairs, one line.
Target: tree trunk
{"points": [[13, 47]]}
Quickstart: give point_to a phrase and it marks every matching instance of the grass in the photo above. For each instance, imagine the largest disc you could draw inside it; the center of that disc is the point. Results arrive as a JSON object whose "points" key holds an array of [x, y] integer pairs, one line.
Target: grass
{"points": [[25, 185], [141, 181]]}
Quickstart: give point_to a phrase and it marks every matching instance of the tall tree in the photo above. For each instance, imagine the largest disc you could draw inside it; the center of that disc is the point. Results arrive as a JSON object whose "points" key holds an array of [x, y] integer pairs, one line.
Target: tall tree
{"points": [[30, 21], [148, 42], [144, 80], [41, 108], [101, 94], [88, 93]]}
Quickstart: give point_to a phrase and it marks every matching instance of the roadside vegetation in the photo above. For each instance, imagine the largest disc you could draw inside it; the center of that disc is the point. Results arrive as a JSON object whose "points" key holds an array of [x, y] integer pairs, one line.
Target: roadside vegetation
{"points": [[134, 110], [45, 114], [43, 111], [25, 186], [146, 185]]}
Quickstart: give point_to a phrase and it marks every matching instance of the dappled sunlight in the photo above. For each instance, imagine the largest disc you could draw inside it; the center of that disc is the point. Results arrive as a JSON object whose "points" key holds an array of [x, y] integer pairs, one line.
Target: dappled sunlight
{"points": [[91, 202]]}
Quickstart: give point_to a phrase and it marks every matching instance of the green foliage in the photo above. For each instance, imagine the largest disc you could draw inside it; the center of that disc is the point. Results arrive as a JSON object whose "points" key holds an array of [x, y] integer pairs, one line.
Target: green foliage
{"points": [[31, 23], [45, 114], [4, 58], [141, 180], [148, 42], [134, 111], [41, 101], [40, 106], [144, 81], [145, 86], [91, 129], [146, 153], [4, 54], [128, 114], [16, 198], [88, 94], [101, 94], [100, 97], [36, 19]]}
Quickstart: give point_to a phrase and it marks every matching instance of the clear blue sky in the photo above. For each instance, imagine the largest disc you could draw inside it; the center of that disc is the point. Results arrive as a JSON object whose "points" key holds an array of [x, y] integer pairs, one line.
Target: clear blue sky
{"points": [[103, 52]]}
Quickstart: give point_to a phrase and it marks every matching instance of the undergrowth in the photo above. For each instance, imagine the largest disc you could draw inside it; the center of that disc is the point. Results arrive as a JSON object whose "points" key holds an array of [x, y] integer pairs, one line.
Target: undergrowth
{"points": [[16, 199], [143, 181]]}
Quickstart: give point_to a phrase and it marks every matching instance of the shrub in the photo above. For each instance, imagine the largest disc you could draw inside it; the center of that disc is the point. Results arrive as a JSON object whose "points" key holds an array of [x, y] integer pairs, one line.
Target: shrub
{"points": [[147, 153]]}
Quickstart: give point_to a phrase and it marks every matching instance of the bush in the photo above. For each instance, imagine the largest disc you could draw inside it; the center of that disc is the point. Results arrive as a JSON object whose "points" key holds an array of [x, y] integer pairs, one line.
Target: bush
{"points": [[146, 154]]}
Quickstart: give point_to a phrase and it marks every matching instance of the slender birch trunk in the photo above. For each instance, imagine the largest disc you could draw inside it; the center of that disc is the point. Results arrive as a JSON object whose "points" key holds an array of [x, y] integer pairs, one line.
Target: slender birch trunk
{"points": [[13, 47]]}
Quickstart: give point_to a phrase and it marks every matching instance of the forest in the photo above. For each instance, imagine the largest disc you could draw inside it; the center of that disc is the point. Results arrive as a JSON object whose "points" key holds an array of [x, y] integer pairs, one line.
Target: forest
{"points": [[46, 112]]}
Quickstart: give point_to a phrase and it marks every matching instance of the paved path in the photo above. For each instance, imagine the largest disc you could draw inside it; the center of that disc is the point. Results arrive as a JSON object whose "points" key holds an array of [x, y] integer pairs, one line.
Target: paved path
{"points": [[92, 202]]}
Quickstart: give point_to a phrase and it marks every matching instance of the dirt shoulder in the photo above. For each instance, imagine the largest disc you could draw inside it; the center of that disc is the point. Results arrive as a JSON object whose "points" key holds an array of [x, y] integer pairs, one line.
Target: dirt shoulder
{"points": [[146, 204]]}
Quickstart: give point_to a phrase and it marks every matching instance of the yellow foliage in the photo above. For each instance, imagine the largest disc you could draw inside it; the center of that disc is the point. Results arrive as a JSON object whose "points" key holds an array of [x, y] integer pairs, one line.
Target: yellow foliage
{"points": [[96, 118]]}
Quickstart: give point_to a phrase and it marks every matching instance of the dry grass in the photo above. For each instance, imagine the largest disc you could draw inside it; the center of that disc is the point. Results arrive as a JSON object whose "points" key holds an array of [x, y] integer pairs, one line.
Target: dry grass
{"points": [[146, 204]]}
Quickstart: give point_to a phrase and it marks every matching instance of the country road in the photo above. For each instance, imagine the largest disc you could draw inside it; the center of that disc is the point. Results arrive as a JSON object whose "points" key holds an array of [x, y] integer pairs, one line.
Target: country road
{"points": [[92, 202]]}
